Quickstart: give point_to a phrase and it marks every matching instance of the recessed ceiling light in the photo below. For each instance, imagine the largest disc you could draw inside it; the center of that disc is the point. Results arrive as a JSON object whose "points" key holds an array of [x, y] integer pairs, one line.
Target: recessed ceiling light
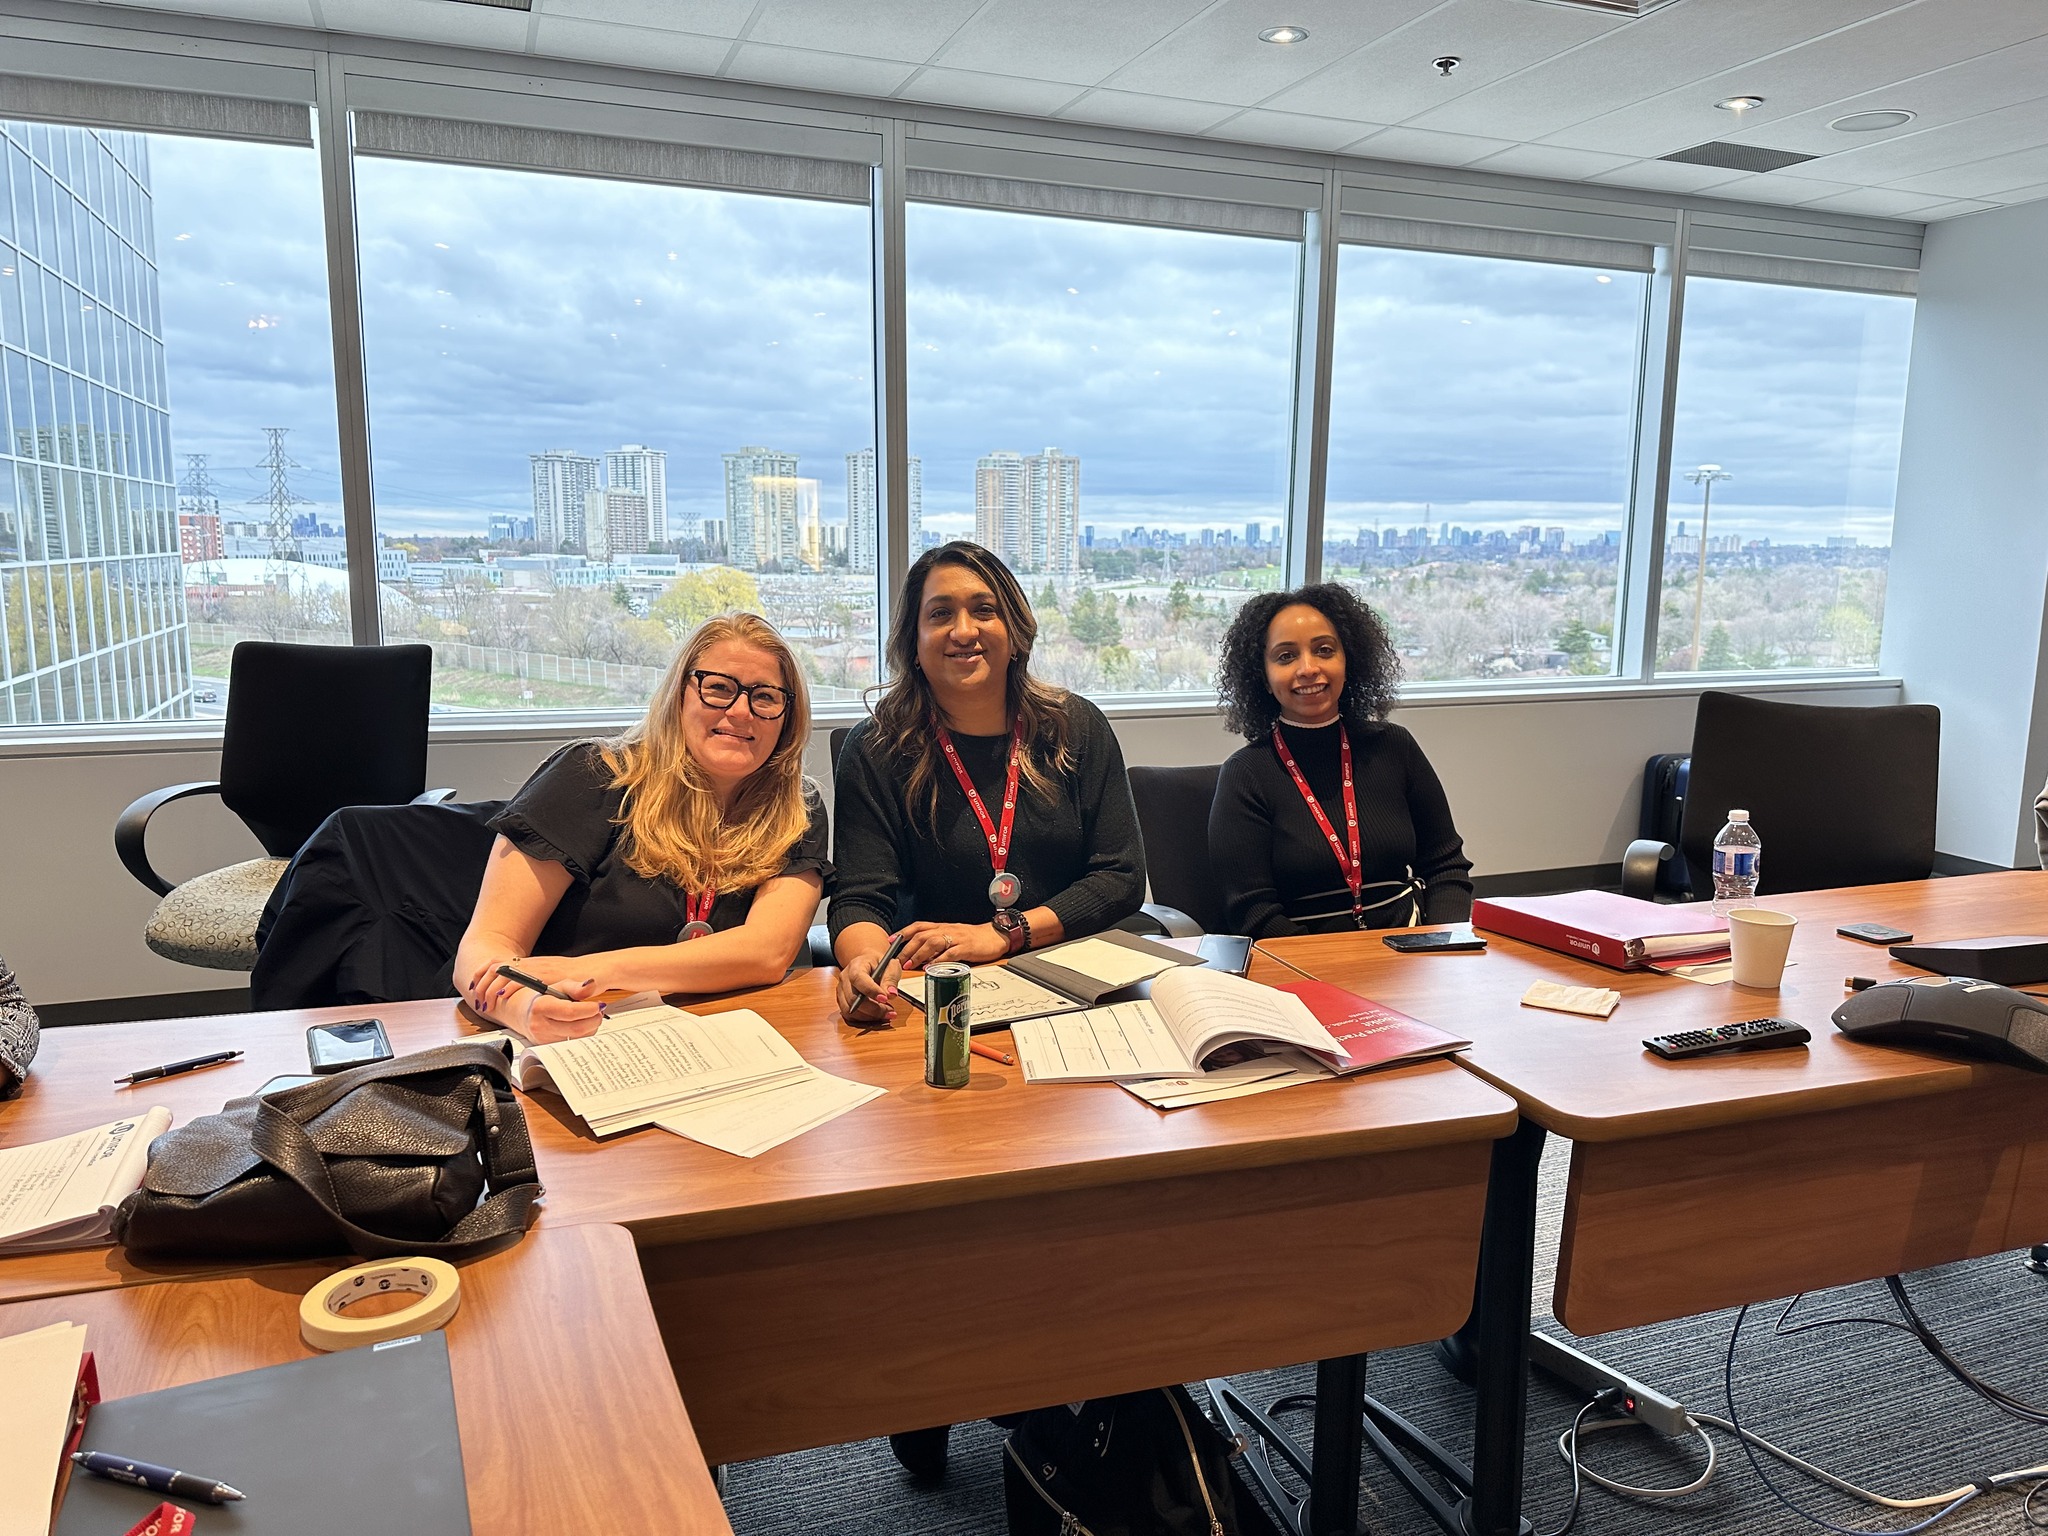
{"points": [[1740, 103], [1870, 122], [1284, 35]]}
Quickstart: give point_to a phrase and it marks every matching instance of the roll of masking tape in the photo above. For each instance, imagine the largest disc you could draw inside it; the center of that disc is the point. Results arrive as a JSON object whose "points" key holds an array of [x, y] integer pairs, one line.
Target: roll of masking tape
{"points": [[324, 1320]]}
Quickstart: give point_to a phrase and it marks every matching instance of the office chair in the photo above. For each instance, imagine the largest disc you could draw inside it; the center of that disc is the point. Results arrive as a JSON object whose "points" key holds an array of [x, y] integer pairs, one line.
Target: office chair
{"points": [[310, 728], [1840, 795], [1173, 822]]}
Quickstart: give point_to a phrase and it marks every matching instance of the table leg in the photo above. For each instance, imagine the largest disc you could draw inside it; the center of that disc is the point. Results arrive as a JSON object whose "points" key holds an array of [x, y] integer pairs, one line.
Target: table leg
{"points": [[1507, 1275], [1339, 1446]]}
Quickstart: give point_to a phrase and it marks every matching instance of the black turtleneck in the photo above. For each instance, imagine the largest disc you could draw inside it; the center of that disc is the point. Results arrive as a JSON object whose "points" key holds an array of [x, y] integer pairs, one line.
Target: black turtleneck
{"points": [[1278, 872]]}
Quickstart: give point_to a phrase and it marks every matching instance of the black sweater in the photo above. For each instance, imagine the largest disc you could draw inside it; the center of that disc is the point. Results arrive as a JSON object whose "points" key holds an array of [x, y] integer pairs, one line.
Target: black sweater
{"points": [[1278, 872], [1080, 856]]}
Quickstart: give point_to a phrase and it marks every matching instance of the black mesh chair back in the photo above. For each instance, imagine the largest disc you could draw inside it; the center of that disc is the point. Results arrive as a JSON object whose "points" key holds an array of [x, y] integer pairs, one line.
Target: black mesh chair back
{"points": [[1173, 820], [311, 728], [1840, 795], [836, 739]]}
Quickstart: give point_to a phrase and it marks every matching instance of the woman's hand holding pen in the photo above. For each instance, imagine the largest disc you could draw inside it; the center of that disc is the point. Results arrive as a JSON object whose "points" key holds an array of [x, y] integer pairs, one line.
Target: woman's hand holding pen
{"points": [[559, 1009], [867, 984]]}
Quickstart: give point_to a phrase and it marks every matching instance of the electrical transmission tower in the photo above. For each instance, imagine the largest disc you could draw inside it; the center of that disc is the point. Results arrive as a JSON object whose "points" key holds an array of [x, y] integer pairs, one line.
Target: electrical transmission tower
{"points": [[284, 544], [196, 495]]}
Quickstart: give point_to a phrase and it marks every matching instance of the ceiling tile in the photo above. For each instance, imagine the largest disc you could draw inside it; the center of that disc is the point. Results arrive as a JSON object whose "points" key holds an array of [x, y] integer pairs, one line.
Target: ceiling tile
{"points": [[1079, 41], [1157, 114], [1951, 208], [1989, 178], [429, 21], [911, 30], [566, 37], [2021, 126], [801, 69], [1391, 79], [1549, 160], [1847, 62], [1292, 130], [987, 93], [1777, 188], [1218, 56], [705, 18], [1874, 202], [1419, 146], [1668, 176], [1688, 41], [2021, 195]]}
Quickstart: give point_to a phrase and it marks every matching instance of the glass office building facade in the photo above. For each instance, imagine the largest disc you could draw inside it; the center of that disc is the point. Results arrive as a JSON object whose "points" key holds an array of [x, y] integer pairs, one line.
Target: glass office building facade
{"points": [[92, 605]]}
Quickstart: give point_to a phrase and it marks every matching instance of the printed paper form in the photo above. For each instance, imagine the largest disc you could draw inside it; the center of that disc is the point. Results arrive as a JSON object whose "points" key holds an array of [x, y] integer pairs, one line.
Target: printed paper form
{"points": [[750, 1119], [999, 995], [1283, 1069], [58, 1194], [1205, 1009], [615, 1078], [1111, 964], [1121, 1040], [41, 1371]]}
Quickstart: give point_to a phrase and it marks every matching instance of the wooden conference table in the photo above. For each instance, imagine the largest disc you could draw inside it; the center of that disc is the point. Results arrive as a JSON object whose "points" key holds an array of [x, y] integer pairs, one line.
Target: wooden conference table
{"points": [[932, 1257], [1709, 1183]]}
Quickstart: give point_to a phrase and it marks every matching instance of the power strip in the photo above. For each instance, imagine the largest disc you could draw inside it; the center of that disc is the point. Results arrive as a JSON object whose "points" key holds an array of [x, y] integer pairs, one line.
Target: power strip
{"points": [[1589, 1375]]}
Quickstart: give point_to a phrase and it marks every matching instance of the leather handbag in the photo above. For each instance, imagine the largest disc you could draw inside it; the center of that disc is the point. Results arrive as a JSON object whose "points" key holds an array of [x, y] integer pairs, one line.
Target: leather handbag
{"points": [[1139, 1464], [423, 1154]]}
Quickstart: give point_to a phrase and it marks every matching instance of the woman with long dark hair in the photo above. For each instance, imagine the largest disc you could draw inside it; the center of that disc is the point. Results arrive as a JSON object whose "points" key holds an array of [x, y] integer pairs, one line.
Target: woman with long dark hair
{"points": [[1331, 818], [980, 811]]}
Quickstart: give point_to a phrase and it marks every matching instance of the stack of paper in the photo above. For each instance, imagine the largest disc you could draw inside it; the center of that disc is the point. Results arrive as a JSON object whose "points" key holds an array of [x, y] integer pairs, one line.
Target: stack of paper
{"points": [[37, 1413], [728, 1080], [1282, 1068], [62, 1193]]}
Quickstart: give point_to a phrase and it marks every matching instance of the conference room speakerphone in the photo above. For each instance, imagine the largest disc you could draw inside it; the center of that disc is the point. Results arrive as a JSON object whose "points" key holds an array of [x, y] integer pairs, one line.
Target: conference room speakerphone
{"points": [[1749, 1035]]}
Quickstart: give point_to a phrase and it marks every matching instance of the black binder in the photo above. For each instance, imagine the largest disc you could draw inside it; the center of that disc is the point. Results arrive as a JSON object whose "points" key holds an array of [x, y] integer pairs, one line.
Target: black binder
{"points": [[345, 1444]]}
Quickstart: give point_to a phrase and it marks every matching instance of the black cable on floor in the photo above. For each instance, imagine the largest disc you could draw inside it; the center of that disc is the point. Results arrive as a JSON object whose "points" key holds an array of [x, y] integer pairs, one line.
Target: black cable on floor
{"points": [[2002, 1400]]}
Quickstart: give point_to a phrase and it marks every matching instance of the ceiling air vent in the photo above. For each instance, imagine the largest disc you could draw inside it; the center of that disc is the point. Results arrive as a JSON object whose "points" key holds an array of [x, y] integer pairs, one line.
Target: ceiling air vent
{"points": [[1627, 8], [1738, 157]]}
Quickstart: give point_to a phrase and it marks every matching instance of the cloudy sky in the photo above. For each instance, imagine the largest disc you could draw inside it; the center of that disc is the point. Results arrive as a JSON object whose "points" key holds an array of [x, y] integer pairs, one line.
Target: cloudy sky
{"points": [[509, 313]]}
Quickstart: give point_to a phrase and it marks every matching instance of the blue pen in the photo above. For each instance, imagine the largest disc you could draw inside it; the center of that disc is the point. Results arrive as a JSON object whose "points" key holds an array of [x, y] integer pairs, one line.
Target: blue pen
{"points": [[147, 1474]]}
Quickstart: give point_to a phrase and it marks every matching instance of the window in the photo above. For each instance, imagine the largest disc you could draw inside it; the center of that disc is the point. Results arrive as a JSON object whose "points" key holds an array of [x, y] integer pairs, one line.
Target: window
{"points": [[1482, 420], [168, 460], [602, 411], [1107, 407], [1785, 456]]}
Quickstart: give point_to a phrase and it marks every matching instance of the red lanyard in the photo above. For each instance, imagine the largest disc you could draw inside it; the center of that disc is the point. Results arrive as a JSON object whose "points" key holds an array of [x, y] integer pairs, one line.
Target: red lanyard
{"points": [[998, 842], [1354, 875], [697, 908]]}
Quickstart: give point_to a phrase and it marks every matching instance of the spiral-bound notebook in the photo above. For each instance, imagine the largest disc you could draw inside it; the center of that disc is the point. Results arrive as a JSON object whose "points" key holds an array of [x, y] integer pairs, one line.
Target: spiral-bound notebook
{"points": [[359, 1441]]}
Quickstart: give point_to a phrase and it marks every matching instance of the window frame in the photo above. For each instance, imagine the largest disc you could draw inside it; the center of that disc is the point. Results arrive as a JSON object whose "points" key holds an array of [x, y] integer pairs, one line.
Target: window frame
{"points": [[237, 80]]}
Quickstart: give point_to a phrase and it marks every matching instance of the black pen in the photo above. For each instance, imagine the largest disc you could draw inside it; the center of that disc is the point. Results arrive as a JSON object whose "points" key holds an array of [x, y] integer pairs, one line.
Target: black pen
{"points": [[173, 1068], [533, 982], [889, 957], [147, 1474]]}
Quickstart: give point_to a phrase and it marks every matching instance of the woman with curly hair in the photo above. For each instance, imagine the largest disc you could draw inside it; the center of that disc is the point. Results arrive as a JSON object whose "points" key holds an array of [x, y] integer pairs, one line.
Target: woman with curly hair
{"points": [[686, 855], [1331, 819]]}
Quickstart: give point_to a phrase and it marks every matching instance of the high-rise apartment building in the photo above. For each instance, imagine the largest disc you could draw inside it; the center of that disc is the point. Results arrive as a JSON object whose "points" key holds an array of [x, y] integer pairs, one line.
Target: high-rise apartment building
{"points": [[92, 599], [1052, 511], [614, 522], [999, 510], [645, 471], [861, 511], [199, 537], [561, 482], [761, 513]]}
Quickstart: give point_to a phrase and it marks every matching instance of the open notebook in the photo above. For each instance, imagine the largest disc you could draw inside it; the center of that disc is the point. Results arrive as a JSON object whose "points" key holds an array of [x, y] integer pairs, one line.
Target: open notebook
{"points": [[1191, 1014]]}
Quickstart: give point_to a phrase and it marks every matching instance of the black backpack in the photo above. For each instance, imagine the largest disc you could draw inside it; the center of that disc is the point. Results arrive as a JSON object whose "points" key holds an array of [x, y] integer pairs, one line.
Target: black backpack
{"points": [[1141, 1464]]}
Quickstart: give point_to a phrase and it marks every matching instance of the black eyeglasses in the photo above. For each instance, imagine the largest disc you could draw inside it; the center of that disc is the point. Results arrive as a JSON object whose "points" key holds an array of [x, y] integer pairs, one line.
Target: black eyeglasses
{"points": [[720, 690]]}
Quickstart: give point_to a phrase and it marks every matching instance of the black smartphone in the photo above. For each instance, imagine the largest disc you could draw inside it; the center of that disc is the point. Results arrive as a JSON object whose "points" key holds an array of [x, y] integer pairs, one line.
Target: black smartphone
{"points": [[1445, 941], [288, 1080], [351, 1043], [1874, 933]]}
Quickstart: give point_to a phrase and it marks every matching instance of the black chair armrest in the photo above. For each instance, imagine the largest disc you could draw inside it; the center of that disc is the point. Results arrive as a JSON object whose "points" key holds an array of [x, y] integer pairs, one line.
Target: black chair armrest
{"points": [[133, 826], [1175, 923], [820, 940], [1639, 867], [433, 797]]}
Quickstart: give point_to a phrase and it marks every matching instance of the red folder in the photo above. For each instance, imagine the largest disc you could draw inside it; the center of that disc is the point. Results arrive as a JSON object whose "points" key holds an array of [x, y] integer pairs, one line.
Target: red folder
{"points": [[1604, 927], [1372, 1034]]}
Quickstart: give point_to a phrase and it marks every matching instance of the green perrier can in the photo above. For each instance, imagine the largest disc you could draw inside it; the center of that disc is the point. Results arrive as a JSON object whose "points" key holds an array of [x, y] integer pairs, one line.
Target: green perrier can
{"points": [[946, 1028]]}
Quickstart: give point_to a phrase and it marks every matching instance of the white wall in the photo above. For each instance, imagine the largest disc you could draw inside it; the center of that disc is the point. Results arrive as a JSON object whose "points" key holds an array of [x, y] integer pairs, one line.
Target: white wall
{"points": [[1545, 783], [1969, 569]]}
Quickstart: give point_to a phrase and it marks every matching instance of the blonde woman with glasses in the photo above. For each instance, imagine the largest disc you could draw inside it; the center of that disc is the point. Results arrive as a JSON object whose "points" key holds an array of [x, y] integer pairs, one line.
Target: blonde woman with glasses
{"points": [[687, 855]]}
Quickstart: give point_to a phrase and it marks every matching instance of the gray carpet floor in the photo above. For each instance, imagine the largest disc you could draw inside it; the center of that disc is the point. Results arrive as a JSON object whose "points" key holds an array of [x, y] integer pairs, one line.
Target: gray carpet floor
{"points": [[1863, 1400]]}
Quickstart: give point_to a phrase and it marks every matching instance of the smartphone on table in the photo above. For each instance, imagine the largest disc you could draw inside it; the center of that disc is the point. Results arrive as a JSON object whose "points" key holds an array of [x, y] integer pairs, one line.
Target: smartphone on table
{"points": [[349, 1043], [1460, 940]]}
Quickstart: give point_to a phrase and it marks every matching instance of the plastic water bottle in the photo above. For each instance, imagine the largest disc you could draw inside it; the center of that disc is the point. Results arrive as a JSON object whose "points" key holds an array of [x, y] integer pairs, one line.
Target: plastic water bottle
{"points": [[1738, 861]]}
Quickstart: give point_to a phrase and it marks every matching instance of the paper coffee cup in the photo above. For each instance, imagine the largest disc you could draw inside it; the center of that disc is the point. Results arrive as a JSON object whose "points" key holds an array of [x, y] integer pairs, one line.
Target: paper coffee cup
{"points": [[1758, 941]]}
